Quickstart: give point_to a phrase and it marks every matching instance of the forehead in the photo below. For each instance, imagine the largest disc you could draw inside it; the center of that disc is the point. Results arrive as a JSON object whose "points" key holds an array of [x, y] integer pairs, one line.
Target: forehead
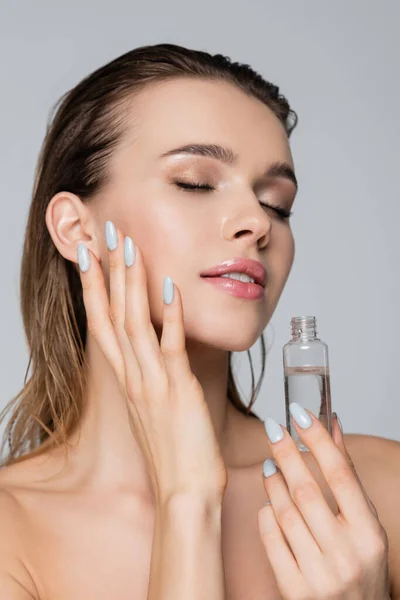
{"points": [[181, 111]]}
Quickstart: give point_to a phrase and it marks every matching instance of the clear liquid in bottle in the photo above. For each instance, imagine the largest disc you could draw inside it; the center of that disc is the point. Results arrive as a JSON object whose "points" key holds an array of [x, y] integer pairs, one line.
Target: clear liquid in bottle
{"points": [[306, 375]]}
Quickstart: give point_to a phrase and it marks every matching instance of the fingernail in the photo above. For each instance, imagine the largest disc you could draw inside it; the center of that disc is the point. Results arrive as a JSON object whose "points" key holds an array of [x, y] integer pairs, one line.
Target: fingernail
{"points": [[300, 415], [111, 235], [274, 430], [269, 467], [268, 502], [168, 291], [334, 414], [129, 251], [83, 257]]}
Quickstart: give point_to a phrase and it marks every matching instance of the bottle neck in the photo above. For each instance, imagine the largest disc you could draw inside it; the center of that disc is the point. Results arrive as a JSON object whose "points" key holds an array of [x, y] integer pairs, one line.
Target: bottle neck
{"points": [[304, 329]]}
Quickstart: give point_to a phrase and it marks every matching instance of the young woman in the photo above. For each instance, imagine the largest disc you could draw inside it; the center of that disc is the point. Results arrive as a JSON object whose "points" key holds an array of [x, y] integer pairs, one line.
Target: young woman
{"points": [[134, 470]]}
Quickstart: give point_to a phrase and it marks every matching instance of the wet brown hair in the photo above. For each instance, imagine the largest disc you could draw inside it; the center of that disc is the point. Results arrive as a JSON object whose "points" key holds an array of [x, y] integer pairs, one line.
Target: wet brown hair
{"points": [[87, 124]]}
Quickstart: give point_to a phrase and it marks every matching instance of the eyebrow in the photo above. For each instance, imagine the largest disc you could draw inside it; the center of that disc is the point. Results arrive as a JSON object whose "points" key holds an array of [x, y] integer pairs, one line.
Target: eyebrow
{"points": [[230, 158]]}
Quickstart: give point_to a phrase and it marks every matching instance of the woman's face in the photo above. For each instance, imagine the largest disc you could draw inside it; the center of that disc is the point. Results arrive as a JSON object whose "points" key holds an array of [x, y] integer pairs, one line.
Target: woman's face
{"points": [[182, 233]]}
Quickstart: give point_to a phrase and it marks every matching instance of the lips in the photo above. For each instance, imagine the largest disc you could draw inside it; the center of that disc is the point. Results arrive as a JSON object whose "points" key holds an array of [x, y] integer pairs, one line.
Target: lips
{"points": [[252, 268]]}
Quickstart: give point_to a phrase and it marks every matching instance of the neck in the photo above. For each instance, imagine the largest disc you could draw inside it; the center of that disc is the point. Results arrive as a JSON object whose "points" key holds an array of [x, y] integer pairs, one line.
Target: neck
{"points": [[105, 453]]}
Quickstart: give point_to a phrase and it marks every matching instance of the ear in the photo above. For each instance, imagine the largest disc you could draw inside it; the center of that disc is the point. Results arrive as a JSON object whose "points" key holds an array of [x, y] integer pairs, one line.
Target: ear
{"points": [[70, 222]]}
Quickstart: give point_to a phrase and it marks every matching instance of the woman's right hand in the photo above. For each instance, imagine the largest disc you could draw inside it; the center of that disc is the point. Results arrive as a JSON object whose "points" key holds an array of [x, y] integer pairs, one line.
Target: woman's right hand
{"points": [[170, 418]]}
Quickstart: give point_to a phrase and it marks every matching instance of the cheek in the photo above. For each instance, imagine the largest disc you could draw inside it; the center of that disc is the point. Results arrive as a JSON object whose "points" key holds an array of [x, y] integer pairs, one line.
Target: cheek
{"points": [[280, 261], [168, 240], [290, 251], [169, 248], [283, 250]]}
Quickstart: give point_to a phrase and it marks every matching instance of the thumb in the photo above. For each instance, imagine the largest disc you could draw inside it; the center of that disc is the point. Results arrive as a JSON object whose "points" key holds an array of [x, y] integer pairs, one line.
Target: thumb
{"points": [[337, 435]]}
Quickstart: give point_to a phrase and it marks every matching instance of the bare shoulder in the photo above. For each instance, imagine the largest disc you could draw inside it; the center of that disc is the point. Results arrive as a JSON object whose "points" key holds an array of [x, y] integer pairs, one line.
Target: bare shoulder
{"points": [[15, 579], [17, 481], [374, 457], [377, 462]]}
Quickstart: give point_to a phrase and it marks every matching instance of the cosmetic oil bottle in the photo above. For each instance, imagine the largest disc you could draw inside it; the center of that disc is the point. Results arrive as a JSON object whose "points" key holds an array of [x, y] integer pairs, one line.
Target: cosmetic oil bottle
{"points": [[306, 375]]}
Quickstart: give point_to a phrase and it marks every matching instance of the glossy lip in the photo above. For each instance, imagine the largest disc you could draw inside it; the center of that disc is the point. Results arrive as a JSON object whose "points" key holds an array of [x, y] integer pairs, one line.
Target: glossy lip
{"points": [[252, 268], [247, 290]]}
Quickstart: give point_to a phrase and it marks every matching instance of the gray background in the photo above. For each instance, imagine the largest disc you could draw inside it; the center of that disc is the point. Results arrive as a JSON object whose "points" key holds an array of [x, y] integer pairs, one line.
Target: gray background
{"points": [[338, 64]]}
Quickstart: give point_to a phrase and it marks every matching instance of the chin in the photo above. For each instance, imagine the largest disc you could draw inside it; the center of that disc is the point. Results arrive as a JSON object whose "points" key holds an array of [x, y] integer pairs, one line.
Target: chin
{"points": [[225, 335]]}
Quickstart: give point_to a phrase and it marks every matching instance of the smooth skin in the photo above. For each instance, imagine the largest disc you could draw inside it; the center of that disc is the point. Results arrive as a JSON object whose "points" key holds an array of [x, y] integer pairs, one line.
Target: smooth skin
{"points": [[169, 418], [315, 552], [105, 492], [167, 409]]}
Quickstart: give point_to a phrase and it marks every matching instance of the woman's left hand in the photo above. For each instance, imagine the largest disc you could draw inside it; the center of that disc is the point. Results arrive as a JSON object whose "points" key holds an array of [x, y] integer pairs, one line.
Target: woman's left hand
{"points": [[313, 552]]}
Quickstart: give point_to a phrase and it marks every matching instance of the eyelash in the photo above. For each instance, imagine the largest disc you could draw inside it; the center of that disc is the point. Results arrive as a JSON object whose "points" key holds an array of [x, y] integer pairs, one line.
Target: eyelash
{"points": [[184, 186]]}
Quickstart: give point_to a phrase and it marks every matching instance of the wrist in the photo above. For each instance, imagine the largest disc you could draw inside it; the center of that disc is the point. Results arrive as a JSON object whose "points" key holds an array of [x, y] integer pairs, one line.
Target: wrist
{"points": [[187, 507]]}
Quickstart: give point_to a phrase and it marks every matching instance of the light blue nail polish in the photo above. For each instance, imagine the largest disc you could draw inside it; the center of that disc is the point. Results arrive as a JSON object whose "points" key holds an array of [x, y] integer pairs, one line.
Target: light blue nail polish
{"points": [[83, 257], [129, 251], [300, 415], [168, 291], [274, 430], [111, 235], [269, 467]]}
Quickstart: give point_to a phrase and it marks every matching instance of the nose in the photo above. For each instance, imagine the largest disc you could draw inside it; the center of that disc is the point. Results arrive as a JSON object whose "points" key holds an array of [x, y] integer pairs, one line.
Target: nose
{"points": [[250, 222]]}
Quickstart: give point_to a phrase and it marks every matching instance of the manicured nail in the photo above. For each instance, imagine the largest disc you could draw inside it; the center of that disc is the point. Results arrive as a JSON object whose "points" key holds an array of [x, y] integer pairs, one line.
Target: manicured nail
{"points": [[83, 257], [129, 251], [111, 235], [300, 415], [274, 430], [168, 291], [269, 467]]}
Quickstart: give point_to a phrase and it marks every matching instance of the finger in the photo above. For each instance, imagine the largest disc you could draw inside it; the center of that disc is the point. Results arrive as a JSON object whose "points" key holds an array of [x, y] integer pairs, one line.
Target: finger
{"points": [[283, 563], [95, 298], [303, 488], [337, 435], [301, 542], [117, 306], [138, 325], [173, 341], [335, 467]]}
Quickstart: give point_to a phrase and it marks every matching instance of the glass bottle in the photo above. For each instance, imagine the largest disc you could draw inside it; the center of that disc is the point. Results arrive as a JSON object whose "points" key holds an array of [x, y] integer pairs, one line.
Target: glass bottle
{"points": [[306, 375]]}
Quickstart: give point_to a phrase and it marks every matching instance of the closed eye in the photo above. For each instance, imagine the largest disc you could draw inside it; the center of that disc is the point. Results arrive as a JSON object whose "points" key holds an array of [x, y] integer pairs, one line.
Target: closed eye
{"points": [[205, 187]]}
